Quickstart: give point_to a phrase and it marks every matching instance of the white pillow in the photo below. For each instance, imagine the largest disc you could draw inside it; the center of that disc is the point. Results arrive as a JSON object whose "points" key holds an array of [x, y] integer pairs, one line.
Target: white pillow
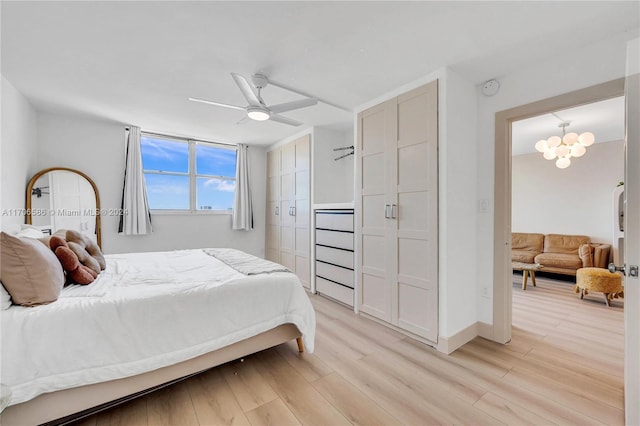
{"points": [[30, 233], [5, 298]]}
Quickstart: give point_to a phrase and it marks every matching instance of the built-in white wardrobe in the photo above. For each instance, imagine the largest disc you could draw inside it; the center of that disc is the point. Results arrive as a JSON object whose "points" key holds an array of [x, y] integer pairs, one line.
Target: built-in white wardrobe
{"points": [[397, 219], [288, 207]]}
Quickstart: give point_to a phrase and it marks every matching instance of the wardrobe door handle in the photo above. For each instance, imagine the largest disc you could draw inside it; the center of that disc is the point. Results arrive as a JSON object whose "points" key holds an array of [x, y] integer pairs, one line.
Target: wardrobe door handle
{"points": [[393, 211], [293, 211], [386, 211], [277, 211]]}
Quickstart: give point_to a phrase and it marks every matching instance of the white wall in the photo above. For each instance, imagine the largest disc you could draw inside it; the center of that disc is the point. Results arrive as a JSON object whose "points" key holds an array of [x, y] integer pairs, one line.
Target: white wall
{"points": [[18, 151], [562, 73], [576, 200], [333, 180], [457, 198], [96, 148]]}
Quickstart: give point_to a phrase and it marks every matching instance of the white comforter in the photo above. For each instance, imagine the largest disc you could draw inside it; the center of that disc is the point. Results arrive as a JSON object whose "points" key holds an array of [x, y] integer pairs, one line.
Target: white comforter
{"points": [[145, 311]]}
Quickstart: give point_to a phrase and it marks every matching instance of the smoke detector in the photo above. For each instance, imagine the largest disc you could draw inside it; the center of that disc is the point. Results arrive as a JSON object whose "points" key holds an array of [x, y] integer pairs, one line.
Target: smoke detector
{"points": [[490, 87]]}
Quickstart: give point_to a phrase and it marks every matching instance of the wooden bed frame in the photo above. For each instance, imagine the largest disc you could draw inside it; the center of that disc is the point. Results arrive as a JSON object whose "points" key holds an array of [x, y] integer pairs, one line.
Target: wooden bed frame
{"points": [[64, 406]]}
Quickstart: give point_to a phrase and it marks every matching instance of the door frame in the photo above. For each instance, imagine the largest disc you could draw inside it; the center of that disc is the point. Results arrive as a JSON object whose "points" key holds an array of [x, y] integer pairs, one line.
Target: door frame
{"points": [[502, 273]]}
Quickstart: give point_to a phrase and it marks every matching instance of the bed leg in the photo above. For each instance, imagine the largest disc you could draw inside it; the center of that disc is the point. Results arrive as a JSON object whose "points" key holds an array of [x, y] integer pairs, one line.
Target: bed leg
{"points": [[300, 344]]}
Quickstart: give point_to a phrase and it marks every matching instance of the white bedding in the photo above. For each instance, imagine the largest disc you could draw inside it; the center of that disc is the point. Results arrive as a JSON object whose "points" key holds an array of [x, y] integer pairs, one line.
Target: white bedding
{"points": [[145, 311]]}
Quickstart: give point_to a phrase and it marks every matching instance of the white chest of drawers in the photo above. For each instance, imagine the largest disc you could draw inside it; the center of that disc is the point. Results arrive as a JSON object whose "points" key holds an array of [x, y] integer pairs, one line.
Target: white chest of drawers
{"points": [[334, 254]]}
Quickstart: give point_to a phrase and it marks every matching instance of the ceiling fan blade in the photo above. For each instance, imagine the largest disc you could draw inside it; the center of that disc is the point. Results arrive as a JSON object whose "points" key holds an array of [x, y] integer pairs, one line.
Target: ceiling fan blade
{"points": [[288, 106], [244, 120], [247, 90], [285, 120], [216, 103]]}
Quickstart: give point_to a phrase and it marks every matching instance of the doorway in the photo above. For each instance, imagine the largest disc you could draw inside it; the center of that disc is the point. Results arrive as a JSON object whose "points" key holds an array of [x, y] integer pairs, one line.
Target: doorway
{"points": [[502, 287]]}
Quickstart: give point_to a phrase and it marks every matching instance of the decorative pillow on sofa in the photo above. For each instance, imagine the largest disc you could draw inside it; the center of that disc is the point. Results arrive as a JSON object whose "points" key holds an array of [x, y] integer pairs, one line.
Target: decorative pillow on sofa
{"points": [[29, 271], [585, 251]]}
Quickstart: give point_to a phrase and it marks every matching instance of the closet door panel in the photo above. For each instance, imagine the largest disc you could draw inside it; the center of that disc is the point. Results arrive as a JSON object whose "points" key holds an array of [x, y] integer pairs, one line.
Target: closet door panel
{"points": [[375, 296], [411, 258], [411, 216], [413, 170], [415, 309], [416, 191], [301, 238], [272, 237], [272, 232], [376, 127], [303, 271]]}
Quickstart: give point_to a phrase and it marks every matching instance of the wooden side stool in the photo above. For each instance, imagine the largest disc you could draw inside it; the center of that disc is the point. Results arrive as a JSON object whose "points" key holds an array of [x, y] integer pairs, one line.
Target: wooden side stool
{"points": [[601, 280]]}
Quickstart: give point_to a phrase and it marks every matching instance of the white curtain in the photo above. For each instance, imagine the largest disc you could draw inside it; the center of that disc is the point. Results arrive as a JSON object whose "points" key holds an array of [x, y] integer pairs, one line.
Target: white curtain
{"points": [[135, 218], [242, 210]]}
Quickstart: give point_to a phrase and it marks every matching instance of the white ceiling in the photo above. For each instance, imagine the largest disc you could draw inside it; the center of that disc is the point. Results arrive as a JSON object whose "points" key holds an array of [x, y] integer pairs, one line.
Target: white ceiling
{"points": [[138, 62], [604, 119]]}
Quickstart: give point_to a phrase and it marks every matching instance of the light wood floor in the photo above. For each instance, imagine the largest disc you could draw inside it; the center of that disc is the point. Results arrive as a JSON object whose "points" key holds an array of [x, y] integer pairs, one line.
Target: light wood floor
{"points": [[564, 366]]}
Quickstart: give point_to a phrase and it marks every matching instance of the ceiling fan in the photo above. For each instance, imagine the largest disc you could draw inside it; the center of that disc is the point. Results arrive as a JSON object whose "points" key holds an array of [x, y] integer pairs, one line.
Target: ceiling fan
{"points": [[256, 108]]}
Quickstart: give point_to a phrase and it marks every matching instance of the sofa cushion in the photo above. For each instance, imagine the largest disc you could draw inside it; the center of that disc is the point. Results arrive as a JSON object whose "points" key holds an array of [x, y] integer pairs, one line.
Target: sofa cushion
{"points": [[523, 256], [567, 244], [559, 260], [527, 242]]}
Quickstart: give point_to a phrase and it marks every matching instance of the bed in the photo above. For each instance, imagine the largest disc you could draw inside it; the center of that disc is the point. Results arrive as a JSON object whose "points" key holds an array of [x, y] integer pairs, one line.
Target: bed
{"points": [[149, 319]]}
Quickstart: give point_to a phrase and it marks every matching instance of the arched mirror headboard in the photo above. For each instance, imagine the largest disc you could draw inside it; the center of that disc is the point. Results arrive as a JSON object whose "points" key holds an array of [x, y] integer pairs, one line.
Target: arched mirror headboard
{"points": [[63, 198]]}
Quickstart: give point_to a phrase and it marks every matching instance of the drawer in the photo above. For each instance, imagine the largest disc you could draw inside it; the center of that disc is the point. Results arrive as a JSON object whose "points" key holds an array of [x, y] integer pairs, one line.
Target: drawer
{"points": [[335, 291], [336, 256], [335, 273], [335, 239], [341, 220]]}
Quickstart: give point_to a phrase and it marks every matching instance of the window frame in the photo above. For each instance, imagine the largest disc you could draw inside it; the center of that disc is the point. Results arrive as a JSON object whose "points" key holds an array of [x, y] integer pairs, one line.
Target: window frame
{"points": [[191, 174]]}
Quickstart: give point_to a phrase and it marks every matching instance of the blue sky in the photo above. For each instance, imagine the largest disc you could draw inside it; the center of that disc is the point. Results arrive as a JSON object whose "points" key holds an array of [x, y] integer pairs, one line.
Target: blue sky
{"points": [[171, 191]]}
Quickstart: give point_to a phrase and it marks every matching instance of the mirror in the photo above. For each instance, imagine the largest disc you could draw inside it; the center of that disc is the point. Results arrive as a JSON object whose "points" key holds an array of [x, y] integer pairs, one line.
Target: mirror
{"points": [[62, 198]]}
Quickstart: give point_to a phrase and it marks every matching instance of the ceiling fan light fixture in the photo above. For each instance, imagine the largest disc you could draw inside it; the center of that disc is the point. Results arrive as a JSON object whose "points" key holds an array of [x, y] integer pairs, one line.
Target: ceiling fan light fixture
{"points": [[257, 114]]}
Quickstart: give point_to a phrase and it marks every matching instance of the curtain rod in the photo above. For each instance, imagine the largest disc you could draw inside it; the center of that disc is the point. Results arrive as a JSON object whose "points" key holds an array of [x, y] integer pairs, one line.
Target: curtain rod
{"points": [[165, 135]]}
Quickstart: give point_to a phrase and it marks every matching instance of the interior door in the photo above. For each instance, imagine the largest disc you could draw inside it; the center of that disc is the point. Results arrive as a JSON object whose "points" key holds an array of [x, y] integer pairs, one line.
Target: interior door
{"points": [[287, 175], [632, 236], [376, 126], [272, 237], [415, 212], [301, 211]]}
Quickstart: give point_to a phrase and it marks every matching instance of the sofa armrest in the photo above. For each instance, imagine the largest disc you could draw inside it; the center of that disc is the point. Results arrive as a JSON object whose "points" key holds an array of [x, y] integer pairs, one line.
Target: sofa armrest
{"points": [[601, 255]]}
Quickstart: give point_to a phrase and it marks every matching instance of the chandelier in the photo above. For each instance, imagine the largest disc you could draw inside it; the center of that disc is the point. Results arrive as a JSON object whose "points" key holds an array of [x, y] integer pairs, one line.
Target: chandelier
{"points": [[566, 147]]}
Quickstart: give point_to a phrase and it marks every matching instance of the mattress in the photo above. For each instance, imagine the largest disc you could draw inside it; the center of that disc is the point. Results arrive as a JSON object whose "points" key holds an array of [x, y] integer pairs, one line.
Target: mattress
{"points": [[145, 311]]}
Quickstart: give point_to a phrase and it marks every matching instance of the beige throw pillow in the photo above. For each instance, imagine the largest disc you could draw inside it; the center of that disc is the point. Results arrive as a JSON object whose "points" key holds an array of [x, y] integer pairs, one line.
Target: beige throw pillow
{"points": [[29, 271]]}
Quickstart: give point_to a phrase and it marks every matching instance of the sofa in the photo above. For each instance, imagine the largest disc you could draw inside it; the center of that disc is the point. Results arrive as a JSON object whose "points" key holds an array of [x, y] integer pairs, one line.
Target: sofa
{"points": [[557, 253]]}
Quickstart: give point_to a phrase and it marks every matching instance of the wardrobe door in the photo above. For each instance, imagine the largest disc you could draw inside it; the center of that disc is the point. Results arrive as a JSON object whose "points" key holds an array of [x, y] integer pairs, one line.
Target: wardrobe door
{"points": [[415, 217], [272, 237], [286, 188], [301, 209], [376, 257]]}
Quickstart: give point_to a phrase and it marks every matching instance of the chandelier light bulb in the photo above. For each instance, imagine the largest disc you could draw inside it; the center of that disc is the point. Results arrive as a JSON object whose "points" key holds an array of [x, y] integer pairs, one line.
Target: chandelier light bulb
{"points": [[570, 138], [562, 150], [563, 163], [578, 150], [586, 139], [541, 146], [549, 154], [554, 141]]}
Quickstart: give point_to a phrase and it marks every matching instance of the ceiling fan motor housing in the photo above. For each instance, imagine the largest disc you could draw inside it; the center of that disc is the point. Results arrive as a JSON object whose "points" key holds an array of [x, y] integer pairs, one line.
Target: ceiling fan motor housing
{"points": [[259, 80]]}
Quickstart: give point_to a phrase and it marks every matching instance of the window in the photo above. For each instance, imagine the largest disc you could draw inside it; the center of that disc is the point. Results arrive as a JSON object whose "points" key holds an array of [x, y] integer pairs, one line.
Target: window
{"points": [[188, 175]]}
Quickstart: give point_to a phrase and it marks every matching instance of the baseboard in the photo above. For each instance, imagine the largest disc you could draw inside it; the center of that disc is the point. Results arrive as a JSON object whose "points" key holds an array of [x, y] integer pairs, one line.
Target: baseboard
{"points": [[451, 343], [485, 330]]}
